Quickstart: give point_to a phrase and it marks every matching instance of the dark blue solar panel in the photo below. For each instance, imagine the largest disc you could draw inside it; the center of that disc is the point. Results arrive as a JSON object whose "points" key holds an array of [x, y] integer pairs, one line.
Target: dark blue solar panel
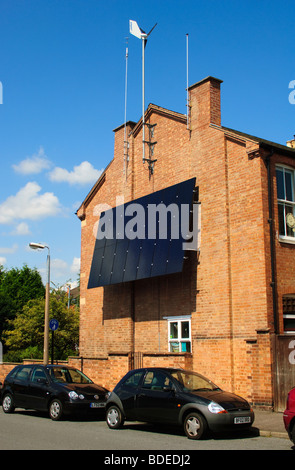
{"points": [[152, 244]]}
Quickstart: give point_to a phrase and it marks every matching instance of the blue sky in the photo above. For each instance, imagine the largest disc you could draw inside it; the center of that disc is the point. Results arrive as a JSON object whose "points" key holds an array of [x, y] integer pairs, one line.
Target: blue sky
{"points": [[62, 74]]}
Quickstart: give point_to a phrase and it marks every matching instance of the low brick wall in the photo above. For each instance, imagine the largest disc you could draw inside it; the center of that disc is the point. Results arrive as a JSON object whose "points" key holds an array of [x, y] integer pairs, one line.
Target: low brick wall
{"points": [[5, 368], [108, 370]]}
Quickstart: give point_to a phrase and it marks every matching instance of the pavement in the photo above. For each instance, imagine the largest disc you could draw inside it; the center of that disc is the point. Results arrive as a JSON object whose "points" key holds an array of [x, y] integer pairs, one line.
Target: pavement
{"points": [[270, 424]]}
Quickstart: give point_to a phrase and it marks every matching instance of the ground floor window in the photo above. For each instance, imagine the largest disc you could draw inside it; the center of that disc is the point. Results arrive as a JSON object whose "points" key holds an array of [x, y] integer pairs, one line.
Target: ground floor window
{"points": [[289, 313], [179, 334]]}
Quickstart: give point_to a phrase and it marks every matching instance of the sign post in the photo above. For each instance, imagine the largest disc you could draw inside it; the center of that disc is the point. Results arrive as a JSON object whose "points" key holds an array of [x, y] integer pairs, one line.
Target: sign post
{"points": [[53, 325]]}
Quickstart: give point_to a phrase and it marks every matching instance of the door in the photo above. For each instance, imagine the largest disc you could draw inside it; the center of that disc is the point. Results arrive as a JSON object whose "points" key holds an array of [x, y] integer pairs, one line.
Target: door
{"points": [[21, 385], [156, 400], [284, 370], [128, 393], [38, 390]]}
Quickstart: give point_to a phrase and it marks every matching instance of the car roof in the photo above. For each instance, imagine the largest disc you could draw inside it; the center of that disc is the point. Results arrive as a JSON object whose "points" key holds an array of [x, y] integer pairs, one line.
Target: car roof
{"points": [[166, 369], [45, 365]]}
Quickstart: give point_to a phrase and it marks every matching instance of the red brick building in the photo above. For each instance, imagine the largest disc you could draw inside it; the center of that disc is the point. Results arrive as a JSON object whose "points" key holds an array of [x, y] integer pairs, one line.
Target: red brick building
{"points": [[230, 313]]}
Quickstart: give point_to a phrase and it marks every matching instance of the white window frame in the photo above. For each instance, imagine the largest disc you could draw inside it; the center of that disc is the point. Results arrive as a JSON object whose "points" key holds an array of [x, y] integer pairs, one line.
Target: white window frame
{"points": [[286, 203], [179, 339], [287, 314]]}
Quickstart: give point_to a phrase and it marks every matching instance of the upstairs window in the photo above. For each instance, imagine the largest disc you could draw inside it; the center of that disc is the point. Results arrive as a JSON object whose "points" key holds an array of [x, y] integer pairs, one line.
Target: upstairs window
{"points": [[286, 202]]}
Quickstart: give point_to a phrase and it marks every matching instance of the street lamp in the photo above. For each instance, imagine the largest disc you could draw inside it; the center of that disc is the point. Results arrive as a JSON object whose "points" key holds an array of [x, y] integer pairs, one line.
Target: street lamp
{"points": [[37, 246]]}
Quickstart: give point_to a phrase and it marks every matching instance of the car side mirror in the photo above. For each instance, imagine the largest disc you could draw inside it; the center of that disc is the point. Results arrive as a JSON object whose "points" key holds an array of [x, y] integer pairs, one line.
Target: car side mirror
{"points": [[168, 389], [42, 381]]}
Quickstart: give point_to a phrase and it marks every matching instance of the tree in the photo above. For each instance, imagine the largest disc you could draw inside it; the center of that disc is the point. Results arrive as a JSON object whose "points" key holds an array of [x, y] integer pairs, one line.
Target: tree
{"points": [[21, 285], [25, 336], [17, 287]]}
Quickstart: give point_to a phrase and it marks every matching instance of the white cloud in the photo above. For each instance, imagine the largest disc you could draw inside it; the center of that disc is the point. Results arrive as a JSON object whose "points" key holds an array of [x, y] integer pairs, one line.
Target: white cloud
{"points": [[21, 229], [2, 260], [84, 173], [62, 273], [7, 250], [75, 267], [29, 204], [59, 268], [34, 164]]}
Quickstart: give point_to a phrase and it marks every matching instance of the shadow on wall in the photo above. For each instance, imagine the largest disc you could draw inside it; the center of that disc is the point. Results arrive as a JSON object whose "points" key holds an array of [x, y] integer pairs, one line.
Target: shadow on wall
{"points": [[154, 298]]}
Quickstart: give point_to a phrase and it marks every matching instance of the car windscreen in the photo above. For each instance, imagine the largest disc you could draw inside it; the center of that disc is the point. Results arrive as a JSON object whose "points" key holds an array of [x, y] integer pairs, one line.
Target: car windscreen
{"points": [[64, 375], [192, 382]]}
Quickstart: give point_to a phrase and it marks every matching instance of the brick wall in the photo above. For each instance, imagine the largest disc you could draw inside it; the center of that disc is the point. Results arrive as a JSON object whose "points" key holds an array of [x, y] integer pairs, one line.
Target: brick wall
{"points": [[5, 368]]}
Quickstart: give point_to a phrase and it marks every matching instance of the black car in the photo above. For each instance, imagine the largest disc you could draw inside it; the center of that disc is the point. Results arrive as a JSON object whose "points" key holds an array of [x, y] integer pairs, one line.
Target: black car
{"points": [[57, 389], [176, 397]]}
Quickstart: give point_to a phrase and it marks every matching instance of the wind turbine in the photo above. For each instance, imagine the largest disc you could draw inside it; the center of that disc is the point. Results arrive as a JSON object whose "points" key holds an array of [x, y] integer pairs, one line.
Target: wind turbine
{"points": [[136, 31]]}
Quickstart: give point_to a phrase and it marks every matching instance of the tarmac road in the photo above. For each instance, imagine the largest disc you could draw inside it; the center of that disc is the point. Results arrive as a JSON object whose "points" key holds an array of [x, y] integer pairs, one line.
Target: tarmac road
{"points": [[29, 430]]}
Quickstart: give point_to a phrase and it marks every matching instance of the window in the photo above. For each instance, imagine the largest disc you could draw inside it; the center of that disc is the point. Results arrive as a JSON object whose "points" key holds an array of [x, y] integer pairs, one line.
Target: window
{"points": [[156, 380], [38, 373], [133, 380], [190, 381], [65, 375], [23, 373], [289, 313], [286, 201], [179, 334]]}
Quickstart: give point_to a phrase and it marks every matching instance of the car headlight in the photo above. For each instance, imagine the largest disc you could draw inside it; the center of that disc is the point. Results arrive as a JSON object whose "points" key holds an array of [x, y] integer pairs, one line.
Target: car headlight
{"points": [[216, 408], [73, 395]]}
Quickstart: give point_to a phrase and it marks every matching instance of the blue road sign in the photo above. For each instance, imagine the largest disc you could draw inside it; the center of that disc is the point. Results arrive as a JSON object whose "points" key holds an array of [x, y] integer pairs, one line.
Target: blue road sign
{"points": [[53, 325]]}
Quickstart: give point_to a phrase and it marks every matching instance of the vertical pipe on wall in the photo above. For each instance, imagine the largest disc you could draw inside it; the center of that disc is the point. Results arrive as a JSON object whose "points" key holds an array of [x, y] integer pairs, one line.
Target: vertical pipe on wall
{"points": [[271, 239]]}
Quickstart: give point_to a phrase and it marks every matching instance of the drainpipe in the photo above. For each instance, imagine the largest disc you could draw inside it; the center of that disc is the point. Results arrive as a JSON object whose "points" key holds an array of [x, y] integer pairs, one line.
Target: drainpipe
{"points": [[271, 238], [132, 333]]}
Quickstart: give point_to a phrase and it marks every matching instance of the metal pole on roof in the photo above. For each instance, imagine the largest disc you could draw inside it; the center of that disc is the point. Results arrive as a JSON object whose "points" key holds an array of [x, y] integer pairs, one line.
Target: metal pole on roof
{"points": [[126, 155], [187, 95], [143, 38]]}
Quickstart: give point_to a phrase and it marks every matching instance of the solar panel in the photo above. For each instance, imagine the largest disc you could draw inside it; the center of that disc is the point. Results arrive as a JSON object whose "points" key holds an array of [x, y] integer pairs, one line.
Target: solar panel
{"points": [[152, 242]]}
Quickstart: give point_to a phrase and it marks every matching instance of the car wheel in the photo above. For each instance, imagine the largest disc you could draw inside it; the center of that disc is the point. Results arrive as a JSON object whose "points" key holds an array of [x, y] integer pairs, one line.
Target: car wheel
{"points": [[114, 417], [55, 410], [292, 434], [7, 404], [194, 425]]}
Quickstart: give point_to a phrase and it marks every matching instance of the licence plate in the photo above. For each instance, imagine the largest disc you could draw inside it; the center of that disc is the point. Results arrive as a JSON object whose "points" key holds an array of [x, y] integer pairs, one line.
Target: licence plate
{"points": [[97, 405], [242, 419]]}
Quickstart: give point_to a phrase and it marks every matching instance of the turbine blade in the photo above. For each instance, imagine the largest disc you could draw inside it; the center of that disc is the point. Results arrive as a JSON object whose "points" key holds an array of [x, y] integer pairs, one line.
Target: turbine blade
{"points": [[152, 29]]}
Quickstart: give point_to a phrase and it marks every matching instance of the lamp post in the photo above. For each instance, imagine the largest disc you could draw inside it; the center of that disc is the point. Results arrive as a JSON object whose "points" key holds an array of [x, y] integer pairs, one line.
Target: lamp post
{"points": [[37, 246]]}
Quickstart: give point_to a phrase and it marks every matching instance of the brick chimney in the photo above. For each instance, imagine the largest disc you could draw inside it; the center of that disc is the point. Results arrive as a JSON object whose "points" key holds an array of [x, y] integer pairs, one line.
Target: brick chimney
{"points": [[204, 100]]}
